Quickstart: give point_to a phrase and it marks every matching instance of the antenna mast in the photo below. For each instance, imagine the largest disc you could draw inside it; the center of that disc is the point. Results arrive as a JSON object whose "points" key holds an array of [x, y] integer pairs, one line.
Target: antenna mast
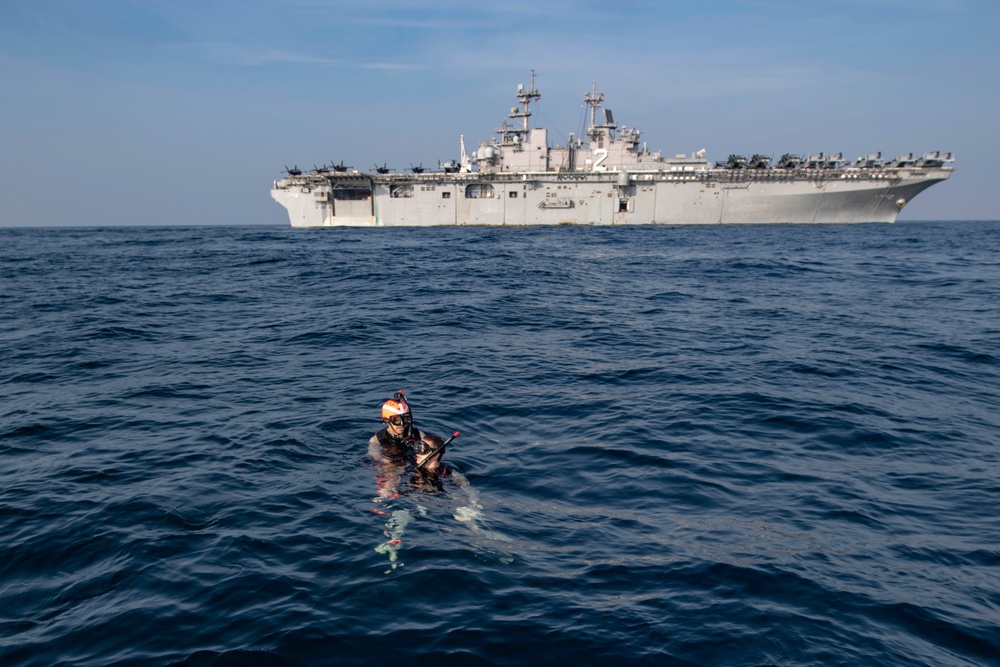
{"points": [[514, 135], [595, 100]]}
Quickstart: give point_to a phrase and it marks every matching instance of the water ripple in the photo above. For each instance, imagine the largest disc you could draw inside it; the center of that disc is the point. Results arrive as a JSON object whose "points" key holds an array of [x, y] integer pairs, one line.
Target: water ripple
{"points": [[737, 446]]}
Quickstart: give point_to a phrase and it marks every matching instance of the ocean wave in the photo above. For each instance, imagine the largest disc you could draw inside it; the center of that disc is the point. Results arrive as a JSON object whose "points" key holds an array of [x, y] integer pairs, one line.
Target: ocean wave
{"points": [[733, 446]]}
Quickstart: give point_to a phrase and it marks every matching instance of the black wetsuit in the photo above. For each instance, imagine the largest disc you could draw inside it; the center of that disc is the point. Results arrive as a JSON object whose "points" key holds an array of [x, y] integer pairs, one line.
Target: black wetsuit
{"points": [[402, 450]]}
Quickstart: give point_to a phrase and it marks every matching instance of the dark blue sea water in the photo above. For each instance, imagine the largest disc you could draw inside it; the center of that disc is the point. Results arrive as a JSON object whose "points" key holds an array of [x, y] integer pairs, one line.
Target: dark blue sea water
{"points": [[736, 446]]}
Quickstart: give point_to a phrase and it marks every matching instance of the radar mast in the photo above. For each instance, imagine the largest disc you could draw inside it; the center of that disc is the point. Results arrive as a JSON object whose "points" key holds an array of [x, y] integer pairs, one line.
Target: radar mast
{"points": [[512, 135]]}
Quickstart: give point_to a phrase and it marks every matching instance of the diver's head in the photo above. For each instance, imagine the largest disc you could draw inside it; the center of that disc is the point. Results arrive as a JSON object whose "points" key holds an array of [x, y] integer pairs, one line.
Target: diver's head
{"points": [[396, 415]]}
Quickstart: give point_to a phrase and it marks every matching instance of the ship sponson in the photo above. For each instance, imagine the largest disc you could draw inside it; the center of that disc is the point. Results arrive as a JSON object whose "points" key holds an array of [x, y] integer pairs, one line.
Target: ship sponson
{"points": [[607, 178]]}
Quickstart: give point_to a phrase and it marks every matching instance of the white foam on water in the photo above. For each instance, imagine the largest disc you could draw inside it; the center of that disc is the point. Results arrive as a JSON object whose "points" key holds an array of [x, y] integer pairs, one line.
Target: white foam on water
{"points": [[394, 529]]}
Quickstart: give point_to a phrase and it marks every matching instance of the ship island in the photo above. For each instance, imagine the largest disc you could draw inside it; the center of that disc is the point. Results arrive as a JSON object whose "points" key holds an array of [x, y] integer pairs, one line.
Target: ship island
{"points": [[608, 177]]}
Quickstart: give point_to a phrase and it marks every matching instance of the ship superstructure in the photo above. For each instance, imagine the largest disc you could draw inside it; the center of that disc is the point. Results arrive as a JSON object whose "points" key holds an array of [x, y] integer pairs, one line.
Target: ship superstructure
{"points": [[607, 177]]}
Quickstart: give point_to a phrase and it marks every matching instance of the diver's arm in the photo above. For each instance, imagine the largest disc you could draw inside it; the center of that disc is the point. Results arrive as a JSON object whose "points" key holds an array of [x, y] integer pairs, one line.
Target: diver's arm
{"points": [[375, 450]]}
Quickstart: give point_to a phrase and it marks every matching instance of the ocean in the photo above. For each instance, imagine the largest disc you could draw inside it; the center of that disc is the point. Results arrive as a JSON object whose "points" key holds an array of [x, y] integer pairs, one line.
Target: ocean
{"points": [[739, 446]]}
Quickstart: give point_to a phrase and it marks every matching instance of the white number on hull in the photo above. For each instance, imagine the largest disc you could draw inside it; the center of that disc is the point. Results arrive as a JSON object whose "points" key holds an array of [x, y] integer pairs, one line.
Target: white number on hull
{"points": [[601, 154]]}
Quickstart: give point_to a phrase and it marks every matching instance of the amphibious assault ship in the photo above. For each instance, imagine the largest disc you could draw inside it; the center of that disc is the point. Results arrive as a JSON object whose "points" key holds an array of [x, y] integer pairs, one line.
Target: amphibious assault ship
{"points": [[606, 178]]}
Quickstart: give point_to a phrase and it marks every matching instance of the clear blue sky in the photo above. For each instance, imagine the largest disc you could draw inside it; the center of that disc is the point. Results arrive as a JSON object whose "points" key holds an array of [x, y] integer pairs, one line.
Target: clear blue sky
{"points": [[125, 112]]}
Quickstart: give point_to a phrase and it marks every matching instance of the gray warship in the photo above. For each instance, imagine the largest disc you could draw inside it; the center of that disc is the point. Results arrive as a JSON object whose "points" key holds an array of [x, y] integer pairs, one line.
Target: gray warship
{"points": [[606, 178]]}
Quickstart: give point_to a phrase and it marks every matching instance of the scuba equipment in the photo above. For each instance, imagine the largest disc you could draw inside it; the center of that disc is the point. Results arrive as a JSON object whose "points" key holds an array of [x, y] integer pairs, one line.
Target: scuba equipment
{"points": [[436, 450], [400, 435], [396, 411], [395, 406]]}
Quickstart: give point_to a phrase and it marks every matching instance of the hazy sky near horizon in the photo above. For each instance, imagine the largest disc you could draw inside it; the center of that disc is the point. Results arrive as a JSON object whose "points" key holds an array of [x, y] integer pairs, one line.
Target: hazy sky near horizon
{"points": [[132, 112]]}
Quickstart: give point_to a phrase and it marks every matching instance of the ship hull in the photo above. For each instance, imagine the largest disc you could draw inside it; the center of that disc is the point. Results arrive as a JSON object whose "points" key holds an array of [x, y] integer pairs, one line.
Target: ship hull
{"points": [[611, 198]]}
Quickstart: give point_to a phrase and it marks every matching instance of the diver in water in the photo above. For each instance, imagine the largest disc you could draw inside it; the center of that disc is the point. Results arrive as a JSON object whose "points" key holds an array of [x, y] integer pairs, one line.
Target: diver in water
{"points": [[401, 448], [401, 445]]}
